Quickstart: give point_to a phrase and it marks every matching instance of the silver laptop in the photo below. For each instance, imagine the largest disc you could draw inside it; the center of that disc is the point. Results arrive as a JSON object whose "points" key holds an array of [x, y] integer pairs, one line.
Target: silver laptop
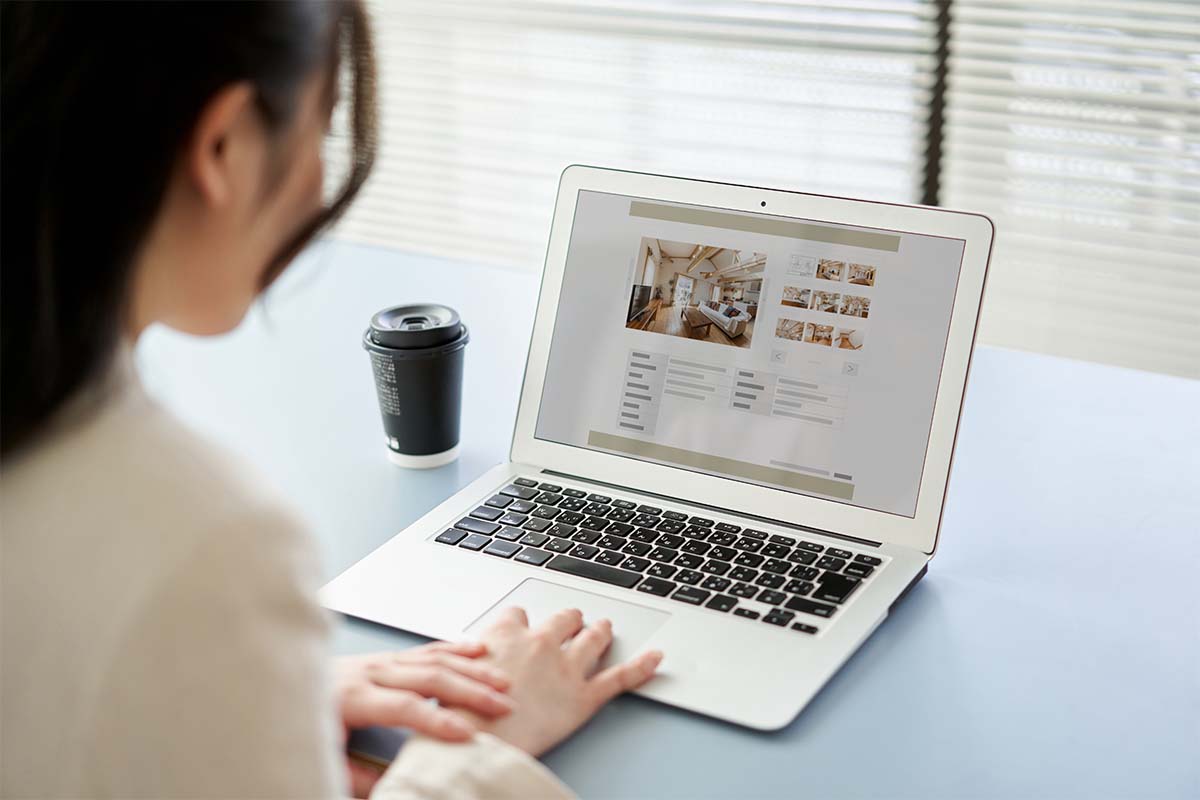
{"points": [[734, 437]]}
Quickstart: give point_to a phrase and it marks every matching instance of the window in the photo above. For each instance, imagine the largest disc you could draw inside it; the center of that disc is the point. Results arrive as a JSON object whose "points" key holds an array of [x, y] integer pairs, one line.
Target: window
{"points": [[1075, 125]]}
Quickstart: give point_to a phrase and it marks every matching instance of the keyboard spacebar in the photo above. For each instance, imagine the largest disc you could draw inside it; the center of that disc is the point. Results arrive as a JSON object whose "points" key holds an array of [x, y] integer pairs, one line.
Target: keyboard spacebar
{"points": [[597, 572]]}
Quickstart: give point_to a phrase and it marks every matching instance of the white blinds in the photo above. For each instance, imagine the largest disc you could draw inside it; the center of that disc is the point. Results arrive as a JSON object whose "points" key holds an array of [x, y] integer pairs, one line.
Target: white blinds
{"points": [[1076, 126], [484, 103]]}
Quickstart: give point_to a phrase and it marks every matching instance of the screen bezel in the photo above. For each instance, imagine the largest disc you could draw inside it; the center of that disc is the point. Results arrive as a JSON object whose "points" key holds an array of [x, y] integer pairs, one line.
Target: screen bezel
{"points": [[919, 531]]}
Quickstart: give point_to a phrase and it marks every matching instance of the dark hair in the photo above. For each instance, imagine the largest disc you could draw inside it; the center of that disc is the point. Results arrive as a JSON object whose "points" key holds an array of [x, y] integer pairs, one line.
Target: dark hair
{"points": [[99, 99]]}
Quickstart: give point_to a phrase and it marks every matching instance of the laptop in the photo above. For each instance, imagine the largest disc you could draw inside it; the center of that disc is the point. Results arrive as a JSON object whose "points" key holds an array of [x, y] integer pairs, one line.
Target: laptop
{"points": [[733, 439]]}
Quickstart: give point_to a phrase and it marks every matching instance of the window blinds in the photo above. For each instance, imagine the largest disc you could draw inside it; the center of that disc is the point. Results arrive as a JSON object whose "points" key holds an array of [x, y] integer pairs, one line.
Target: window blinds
{"points": [[484, 103], [1076, 126]]}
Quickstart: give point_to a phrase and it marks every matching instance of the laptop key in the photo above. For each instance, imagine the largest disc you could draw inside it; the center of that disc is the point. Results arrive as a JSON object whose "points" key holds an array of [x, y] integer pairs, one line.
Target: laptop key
{"points": [[669, 526], [708, 523], [536, 524], [715, 567], [689, 576], [575, 493], [776, 566], [728, 528], [690, 595], [594, 523], [621, 515], [777, 617], [534, 539], [610, 557], [745, 612], [612, 542], [498, 501], [662, 588], [619, 529], [475, 541], [804, 627], [787, 541], [798, 587], [802, 557], [835, 588], [776, 551], [549, 498], [625, 504], [650, 510], [584, 551], [696, 532], [748, 560], [744, 590], [476, 525], [522, 492], [858, 570], [770, 580], [551, 487], [771, 597], [636, 548], [635, 563], [663, 554], [502, 549], [513, 519], [811, 547], [531, 555], [870, 561], [522, 507], [547, 512], [689, 561], [715, 583], [558, 545], [722, 553], [599, 498], [748, 544], [670, 540], [721, 602], [839, 553], [830, 563], [753, 534], [699, 548], [644, 535], [810, 607], [586, 537], [660, 570], [572, 504], [595, 509], [452, 536], [570, 517], [723, 539], [743, 574], [675, 515], [804, 573], [562, 530], [593, 571], [525, 482], [509, 533]]}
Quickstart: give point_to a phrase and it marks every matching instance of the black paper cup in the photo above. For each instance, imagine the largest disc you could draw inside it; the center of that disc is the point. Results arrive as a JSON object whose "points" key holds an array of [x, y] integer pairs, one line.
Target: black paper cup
{"points": [[417, 357]]}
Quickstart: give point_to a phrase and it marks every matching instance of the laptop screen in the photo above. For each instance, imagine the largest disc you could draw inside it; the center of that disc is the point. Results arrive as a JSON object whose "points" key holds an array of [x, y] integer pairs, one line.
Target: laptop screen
{"points": [[797, 354]]}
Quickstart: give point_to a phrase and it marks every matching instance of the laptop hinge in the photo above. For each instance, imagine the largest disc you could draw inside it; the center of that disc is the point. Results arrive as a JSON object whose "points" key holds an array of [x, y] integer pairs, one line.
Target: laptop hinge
{"points": [[707, 507]]}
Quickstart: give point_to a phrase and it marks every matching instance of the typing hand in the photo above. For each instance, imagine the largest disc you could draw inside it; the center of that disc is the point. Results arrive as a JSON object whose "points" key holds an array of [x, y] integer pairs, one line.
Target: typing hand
{"points": [[552, 682], [392, 689]]}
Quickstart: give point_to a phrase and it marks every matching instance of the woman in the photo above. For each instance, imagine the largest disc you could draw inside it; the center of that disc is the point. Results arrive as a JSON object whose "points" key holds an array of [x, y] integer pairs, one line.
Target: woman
{"points": [[162, 163]]}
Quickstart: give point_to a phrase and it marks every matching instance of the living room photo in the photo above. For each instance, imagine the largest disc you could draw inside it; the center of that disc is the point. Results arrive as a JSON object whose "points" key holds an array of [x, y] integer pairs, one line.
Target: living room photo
{"points": [[695, 291]]}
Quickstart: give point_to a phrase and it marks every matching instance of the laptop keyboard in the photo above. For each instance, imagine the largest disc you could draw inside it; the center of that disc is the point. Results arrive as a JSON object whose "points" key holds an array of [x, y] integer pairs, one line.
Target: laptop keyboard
{"points": [[757, 576]]}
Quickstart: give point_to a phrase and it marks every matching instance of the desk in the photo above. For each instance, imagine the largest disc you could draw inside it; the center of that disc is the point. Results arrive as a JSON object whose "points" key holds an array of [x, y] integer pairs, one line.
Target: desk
{"points": [[1052, 651]]}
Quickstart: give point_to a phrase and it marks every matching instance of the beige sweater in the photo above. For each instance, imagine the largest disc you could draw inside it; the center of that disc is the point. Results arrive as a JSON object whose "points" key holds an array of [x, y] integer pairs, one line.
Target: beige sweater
{"points": [[160, 634]]}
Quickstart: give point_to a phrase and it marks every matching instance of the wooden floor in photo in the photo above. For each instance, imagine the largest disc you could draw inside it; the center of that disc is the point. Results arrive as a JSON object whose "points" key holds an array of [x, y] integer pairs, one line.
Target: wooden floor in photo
{"points": [[670, 321]]}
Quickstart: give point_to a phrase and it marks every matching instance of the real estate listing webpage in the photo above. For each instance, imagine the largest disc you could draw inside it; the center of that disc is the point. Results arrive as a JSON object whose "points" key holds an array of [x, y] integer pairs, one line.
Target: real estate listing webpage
{"points": [[795, 354]]}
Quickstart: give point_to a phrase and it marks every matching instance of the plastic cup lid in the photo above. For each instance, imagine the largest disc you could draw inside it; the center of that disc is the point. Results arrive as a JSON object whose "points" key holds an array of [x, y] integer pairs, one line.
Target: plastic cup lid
{"points": [[414, 326]]}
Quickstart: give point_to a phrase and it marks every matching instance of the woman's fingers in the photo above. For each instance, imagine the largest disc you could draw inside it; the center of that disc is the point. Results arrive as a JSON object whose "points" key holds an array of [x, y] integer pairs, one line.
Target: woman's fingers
{"points": [[562, 625], [446, 686], [464, 649], [476, 670], [621, 678], [406, 709], [586, 648], [510, 619]]}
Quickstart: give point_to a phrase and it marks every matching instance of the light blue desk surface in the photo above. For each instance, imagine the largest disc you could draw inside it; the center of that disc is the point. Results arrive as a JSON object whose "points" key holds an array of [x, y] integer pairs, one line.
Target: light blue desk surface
{"points": [[1053, 650]]}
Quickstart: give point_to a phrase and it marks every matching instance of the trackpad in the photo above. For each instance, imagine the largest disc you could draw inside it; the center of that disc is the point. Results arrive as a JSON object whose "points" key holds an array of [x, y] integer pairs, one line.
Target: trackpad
{"points": [[633, 624]]}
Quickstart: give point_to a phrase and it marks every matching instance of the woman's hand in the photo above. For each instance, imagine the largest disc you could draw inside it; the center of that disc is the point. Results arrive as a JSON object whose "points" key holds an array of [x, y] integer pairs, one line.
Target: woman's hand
{"points": [[393, 689], [552, 682]]}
